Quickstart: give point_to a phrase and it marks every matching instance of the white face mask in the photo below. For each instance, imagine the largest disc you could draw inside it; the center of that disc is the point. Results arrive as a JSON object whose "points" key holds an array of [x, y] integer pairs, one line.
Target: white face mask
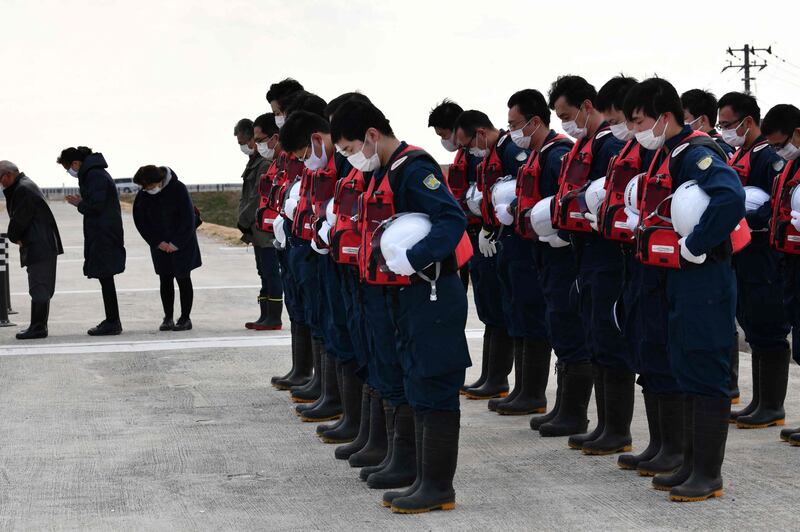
{"points": [[72, 172], [313, 162], [649, 140], [449, 144], [520, 139], [362, 163], [279, 121], [154, 190], [790, 152], [265, 151], [571, 127], [478, 152], [621, 131], [730, 136], [693, 122], [247, 150]]}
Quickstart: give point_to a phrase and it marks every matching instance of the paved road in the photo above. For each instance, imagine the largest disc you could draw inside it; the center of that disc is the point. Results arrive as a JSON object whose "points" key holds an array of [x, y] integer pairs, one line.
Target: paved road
{"points": [[182, 431]]}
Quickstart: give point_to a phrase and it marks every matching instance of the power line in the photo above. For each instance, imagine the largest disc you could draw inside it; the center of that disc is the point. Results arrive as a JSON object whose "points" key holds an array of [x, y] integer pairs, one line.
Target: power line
{"points": [[747, 63]]}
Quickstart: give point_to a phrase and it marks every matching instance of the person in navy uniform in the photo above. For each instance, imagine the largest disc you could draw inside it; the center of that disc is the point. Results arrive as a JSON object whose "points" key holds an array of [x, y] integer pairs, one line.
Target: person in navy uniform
{"points": [[760, 289], [700, 113], [701, 294], [430, 324]]}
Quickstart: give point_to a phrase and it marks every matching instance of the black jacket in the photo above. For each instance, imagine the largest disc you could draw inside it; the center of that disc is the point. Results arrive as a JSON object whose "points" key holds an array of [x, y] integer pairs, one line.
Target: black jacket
{"points": [[32, 223], [103, 241], [169, 216]]}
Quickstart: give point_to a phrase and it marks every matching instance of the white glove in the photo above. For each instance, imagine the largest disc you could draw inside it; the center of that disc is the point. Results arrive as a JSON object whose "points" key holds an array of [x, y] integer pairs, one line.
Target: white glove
{"points": [[633, 219], [503, 216], [687, 255], [554, 240], [592, 219], [399, 262], [324, 232], [486, 246], [796, 219], [323, 251]]}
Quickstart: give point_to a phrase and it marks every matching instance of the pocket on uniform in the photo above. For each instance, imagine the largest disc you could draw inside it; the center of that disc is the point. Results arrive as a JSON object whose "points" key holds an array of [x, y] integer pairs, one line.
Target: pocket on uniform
{"points": [[707, 320]]}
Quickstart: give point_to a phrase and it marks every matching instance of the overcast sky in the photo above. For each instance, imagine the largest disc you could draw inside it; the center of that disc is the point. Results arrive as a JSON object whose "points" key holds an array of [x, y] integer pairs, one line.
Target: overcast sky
{"points": [[164, 82]]}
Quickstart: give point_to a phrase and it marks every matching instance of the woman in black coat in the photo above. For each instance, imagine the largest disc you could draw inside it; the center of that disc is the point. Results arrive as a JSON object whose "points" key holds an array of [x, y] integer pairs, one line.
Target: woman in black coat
{"points": [[103, 243], [166, 219]]}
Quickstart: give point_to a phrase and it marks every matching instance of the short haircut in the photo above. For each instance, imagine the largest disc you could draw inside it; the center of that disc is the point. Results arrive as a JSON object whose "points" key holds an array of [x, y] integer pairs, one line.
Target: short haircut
{"points": [[283, 88], [354, 118], [244, 127], [306, 101], [337, 102], [70, 155], [743, 105], [296, 132], [700, 103], [574, 89], [7, 167], [783, 118], [530, 103], [612, 94], [470, 121], [147, 175], [266, 123], [444, 115], [654, 97]]}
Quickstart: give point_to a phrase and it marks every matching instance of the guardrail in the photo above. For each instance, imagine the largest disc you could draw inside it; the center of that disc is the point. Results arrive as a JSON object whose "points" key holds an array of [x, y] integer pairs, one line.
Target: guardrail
{"points": [[56, 193], [5, 288]]}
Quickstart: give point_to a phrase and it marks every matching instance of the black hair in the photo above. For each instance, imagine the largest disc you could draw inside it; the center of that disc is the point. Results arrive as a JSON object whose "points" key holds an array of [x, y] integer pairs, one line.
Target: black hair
{"points": [[337, 102], [147, 175], [574, 89], [743, 105], [469, 121], [700, 103], [70, 155], [244, 127], [306, 101], [784, 118], [296, 132], [530, 103], [266, 123], [612, 94], [354, 118], [654, 96], [444, 115], [283, 88]]}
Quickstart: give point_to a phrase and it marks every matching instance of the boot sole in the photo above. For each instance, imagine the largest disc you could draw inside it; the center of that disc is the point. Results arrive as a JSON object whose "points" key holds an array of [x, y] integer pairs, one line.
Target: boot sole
{"points": [[662, 488], [651, 473], [302, 401], [261, 328], [576, 446], [794, 443], [521, 412], [325, 439], [604, 452], [734, 401], [447, 506], [626, 467], [484, 397], [776, 423], [683, 498], [306, 419]]}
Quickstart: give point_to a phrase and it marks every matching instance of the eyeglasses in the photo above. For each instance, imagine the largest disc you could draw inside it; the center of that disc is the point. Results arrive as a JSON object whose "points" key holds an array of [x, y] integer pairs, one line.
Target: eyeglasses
{"points": [[729, 125]]}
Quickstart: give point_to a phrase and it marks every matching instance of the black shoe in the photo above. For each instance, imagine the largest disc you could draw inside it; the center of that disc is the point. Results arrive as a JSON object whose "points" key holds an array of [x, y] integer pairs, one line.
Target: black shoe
{"points": [[401, 469], [670, 454], [756, 372], [183, 324], [270, 317], [302, 360], [786, 434], [487, 343], [439, 462], [166, 325], [794, 439], [537, 421], [773, 381], [40, 313], [531, 397], [616, 436], [576, 389], [350, 390], [667, 481], [108, 328], [632, 461], [329, 406], [576, 441], [710, 436], [419, 428], [343, 452], [371, 457], [501, 359]]}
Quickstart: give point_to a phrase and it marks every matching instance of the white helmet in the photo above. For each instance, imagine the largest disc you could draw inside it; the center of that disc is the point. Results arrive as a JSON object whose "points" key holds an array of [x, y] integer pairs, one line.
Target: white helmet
{"points": [[595, 194], [330, 217], [280, 233], [292, 199], [688, 205], [541, 219], [631, 191], [754, 198], [504, 191], [474, 198], [403, 230], [795, 202]]}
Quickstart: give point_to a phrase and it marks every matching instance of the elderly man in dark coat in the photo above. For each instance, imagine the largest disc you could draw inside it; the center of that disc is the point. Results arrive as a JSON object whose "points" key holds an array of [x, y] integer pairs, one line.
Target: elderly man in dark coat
{"points": [[33, 228]]}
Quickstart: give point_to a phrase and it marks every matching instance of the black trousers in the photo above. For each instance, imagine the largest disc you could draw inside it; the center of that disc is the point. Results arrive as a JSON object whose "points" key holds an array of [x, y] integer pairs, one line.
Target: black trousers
{"points": [[42, 280]]}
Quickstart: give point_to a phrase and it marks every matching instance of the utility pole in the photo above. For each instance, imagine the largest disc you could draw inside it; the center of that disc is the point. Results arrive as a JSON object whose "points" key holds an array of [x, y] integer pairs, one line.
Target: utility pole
{"points": [[747, 64]]}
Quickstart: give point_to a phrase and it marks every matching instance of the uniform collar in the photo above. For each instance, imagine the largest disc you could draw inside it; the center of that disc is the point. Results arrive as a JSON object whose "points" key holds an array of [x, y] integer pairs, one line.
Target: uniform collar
{"points": [[677, 139]]}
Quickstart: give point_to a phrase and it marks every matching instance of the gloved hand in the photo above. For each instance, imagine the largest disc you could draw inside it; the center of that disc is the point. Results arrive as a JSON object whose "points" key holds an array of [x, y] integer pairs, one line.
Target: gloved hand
{"points": [[633, 219], [687, 255], [503, 216], [554, 240], [796, 219], [321, 251], [592, 219], [486, 245], [324, 233], [399, 262]]}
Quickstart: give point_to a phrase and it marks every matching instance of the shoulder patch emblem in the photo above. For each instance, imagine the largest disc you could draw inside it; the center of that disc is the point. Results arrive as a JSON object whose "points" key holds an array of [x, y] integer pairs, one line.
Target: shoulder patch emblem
{"points": [[431, 182], [705, 162], [778, 165], [521, 156], [602, 134]]}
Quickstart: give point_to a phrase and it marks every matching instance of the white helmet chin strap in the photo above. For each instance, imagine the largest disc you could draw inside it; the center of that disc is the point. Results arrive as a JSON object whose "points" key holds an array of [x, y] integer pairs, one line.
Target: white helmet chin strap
{"points": [[438, 268]]}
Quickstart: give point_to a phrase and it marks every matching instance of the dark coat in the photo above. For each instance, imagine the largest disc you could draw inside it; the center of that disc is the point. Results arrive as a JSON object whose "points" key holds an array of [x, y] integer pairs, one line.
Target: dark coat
{"points": [[249, 202], [32, 223], [103, 241], [169, 216]]}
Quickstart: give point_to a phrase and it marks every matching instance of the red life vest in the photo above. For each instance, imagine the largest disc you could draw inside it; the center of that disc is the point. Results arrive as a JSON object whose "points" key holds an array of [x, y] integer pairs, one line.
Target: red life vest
{"points": [[567, 212], [458, 182], [528, 189], [657, 241], [377, 205], [782, 235], [308, 206], [611, 218], [323, 185], [741, 160], [345, 234], [489, 171], [268, 186]]}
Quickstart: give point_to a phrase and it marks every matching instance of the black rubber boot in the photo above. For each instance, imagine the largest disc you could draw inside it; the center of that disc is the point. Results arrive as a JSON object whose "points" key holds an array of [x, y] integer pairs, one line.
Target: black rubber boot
{"points": [[335, 425], [330, 404], [380, 433], [670, 454], [350, 390], [531, 398], [794, 439], [401, 469], [343, 452], [312, 389], [786, 434], [538, 421], [773, 381], [616, 435], [501, 358], [107, 328], [631, 461], [667, 481], [751, 407], [576, 389], [302, 360], [518, 347], [710, 436], [40, 312], [419, 428], [439, 462], [734, 393], [576, 441], [487, 343], [293, 333], [262, 305], [271, 319]]}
